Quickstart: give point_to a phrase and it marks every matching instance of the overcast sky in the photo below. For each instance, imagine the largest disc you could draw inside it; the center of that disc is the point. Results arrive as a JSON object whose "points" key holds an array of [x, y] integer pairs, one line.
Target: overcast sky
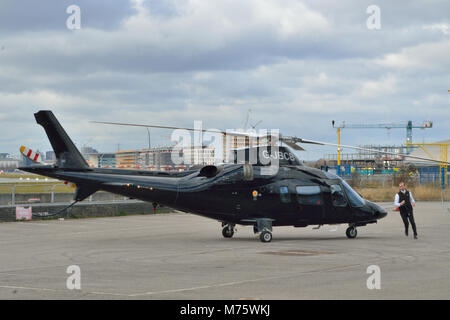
{"points": [[296, 64]]}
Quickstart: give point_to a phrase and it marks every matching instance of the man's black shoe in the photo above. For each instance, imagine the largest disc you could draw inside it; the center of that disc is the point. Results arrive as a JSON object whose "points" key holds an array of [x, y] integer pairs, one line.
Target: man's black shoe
{"points": [[415, 236]]}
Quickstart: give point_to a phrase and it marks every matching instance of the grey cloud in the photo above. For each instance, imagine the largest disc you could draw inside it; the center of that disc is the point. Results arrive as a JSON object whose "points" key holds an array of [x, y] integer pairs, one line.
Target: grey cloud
{"points": [[394, 14], [163, 49], [43, 15]]}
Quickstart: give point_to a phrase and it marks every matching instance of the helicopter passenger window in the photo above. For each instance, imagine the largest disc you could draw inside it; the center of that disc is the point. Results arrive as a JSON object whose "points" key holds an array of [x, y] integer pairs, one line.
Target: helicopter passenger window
{"points": [[308, 195], [285, 197], [337, 196]]}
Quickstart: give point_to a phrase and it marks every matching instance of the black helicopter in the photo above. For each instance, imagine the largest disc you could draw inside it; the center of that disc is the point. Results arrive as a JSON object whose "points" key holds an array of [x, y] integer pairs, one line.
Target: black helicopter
{"points": [[234, 193]]}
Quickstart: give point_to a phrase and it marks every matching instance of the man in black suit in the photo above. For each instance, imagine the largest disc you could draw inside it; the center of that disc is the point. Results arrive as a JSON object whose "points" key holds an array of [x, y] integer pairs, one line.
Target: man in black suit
{"points": [[405, 202]]}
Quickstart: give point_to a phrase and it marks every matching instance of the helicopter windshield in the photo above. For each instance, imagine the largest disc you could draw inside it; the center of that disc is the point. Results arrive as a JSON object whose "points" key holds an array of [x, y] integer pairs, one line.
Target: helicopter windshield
{"points": [[354, 198]]}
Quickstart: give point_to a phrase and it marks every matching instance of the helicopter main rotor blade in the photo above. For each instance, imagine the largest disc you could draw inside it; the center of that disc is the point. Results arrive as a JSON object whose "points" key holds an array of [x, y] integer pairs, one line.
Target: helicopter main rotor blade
{"points": [[300, 140], [291, 141], [287, 140], [154, 126], [234, 133]]}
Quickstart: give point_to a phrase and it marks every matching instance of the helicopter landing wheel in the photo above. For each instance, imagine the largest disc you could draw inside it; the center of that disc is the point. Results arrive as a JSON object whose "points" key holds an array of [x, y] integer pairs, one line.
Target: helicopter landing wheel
{"points": [[351, 232], [228, 231], [265, 236]]}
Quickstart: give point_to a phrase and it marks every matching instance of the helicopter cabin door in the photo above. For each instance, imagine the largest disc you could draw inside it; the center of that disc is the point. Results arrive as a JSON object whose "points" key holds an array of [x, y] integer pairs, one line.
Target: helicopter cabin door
{"points": [[309, 204]]}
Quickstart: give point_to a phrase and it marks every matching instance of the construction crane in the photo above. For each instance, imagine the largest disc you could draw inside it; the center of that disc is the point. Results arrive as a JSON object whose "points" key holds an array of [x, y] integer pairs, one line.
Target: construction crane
{"points": [[408, 125]]}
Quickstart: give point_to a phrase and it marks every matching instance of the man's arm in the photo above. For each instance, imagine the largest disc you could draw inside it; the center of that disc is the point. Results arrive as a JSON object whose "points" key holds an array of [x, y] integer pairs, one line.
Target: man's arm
{"points": [[411, 199], [396, 200]]}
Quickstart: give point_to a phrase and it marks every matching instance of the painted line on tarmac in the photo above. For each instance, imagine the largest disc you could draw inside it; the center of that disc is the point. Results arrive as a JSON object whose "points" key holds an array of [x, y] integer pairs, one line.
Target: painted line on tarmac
{"points": [[226, 284], [30, 288], [133, 295], [240, 282]]}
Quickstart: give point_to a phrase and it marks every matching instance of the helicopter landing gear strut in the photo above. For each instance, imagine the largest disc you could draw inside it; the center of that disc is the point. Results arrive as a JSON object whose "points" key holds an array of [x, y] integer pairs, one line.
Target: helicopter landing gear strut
{"points": [[228, 230], [351, 232], [264, 226]]}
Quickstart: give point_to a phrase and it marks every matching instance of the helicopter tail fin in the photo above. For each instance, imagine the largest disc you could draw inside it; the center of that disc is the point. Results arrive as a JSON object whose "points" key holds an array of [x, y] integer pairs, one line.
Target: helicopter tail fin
{"points": [[67, 155]]}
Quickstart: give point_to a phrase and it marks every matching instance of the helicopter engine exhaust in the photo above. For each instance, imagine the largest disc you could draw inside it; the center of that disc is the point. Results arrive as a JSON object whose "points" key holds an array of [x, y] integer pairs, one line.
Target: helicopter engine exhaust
{"points": [[209, 171]]}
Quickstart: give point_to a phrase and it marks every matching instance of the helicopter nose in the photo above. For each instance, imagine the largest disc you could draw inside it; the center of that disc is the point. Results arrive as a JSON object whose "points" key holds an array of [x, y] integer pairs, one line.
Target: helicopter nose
{"points": [[377, 211], [380, 212]]}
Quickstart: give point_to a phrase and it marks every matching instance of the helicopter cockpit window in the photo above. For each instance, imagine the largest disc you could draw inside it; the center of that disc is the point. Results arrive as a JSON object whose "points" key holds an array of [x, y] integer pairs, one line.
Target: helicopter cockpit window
{"points": [[285, 196], [354, 198], [309, 195], [337, 196]]}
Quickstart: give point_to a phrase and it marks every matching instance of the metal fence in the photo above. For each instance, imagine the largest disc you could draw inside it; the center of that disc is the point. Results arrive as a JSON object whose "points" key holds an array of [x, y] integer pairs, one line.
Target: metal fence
{"points": [[435, 176], [445, 198], [49, 195], [378, 181]]}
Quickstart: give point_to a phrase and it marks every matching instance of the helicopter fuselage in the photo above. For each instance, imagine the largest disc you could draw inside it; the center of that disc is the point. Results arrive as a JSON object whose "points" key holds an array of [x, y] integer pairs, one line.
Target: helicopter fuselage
{"points": [[294, 195]]}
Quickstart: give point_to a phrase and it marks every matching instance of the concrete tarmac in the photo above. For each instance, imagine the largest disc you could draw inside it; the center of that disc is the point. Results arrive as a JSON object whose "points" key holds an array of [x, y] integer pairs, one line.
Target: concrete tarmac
{"points": [[182, 256]]}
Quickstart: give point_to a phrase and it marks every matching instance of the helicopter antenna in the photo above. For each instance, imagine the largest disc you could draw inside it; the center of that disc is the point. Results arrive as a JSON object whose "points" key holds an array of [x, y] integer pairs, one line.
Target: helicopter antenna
{"points": [[247, 118], [254, 126]]}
